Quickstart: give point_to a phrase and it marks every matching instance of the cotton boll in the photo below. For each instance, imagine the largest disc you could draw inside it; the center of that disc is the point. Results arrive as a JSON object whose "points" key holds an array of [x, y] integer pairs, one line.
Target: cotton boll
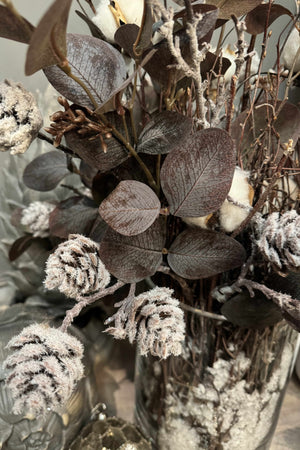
{"points": [[201, 222], [109, 18], [133, 10], [290, 50], [231, 216]]}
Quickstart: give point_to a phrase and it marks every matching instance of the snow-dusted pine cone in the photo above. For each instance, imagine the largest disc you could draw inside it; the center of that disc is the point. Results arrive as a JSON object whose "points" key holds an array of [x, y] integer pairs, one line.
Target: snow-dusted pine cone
{"points": [[43, 369], [154, 319], [279, 240], [20, 118], [75, 268], [36, 218]]}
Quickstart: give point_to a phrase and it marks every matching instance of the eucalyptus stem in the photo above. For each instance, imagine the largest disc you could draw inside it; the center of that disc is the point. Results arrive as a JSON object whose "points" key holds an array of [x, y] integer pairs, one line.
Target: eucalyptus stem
{"points": [[132, 151]]}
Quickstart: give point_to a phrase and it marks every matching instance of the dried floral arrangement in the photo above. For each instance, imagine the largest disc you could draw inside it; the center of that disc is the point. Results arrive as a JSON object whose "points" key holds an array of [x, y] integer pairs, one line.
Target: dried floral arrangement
{"points": [[188, 160]]}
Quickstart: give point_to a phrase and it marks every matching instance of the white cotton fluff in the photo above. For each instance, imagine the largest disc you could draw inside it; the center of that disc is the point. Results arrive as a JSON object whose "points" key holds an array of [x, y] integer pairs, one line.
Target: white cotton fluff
{"points": [[108, 17], [289, 51], [231, 216]]}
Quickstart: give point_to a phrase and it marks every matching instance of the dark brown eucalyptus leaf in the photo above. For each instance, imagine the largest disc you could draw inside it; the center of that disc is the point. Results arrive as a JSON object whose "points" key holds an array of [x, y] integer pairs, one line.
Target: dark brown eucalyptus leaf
{"points": [[76, 215], [96, 63], [46, 171], [237, 7], [132, 258], [48, 42], [20, 246], [95, 31], [145, 33], [287, 126], [163, 132], [197, 175], [125, 37], [251, 312], [92, 152], [87, 174], [203, 253], [14, 28], [256, 19], [131, 208]]}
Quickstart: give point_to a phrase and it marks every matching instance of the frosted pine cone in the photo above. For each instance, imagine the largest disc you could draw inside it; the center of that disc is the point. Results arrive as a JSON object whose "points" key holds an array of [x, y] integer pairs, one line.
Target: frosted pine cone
{"points": [[154, 319], [20, 118], [43, 369], [75, 268], [36, 218], [279, 240]]}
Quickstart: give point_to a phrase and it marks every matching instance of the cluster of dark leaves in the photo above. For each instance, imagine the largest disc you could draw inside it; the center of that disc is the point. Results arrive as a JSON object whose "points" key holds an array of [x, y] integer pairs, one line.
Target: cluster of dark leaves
{"points": [[124, 214]]}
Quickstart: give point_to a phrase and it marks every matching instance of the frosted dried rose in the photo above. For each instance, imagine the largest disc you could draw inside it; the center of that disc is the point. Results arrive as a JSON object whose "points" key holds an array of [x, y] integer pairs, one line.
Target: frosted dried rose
{"points": [[43, 369], [20, 118]]}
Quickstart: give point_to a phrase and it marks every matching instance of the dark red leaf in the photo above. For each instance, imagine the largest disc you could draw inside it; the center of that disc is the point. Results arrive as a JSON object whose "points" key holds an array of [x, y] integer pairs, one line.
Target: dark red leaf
{"points": [[163, 132], [237, 7], [96, 63], [132, 258], [48, 42], [131, 208], [46, 171], [20, 246], [74, 215], [203, 253], [145, 33], [251, 312], [256, 19], [92, 152], [13, 27], [95, 31], [197, 175], [125, 37]]}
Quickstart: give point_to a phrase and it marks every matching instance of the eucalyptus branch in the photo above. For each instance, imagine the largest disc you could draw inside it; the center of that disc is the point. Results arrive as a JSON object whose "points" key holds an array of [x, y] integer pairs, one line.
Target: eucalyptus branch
{"points": [[131, 150], [202, 313], [85, 301]]}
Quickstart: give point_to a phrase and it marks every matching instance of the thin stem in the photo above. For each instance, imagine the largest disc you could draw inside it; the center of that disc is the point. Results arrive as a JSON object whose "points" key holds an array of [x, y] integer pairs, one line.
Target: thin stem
{"points": [[65, 149], [132, 151], [84, 301], [202, 313], [70, 74]]}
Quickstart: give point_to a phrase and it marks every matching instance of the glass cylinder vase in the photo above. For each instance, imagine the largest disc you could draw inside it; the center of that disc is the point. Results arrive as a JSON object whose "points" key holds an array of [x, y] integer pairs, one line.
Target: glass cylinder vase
{"points": [[224, 392]]}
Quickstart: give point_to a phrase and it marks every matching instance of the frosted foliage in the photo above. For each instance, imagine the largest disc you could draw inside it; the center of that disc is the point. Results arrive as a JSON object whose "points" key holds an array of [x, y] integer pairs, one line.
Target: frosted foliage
{"points": [[20, 118], [36, 218], [43, 368], [154, 319], [219, 407], [75, 268], [279, 239]]}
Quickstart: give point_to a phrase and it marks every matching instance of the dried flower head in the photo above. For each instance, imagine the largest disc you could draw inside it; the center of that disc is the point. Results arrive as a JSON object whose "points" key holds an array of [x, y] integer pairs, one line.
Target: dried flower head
{"points": [[20, 118], [75, 268], [279, 240], [154, 319], [36, 218], [43, 369]]}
